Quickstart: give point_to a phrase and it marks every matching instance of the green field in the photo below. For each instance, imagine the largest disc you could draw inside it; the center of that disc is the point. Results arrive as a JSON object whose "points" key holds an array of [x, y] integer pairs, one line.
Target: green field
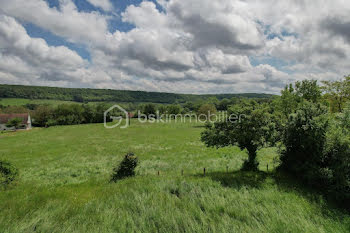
{"points": [[64, 173], [20, 102]]}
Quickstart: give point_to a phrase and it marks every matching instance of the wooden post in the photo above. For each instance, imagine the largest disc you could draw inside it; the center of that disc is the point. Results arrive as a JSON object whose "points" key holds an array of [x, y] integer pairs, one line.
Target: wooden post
{"points": [[267, 167], [158, 173], [204, 171]]}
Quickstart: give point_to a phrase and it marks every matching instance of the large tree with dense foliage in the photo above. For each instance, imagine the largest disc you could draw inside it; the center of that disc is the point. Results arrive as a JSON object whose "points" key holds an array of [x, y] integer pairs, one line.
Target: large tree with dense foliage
{"points": [[206, 111], [304, 137], [174, 109], [317, 149], [250, 128], [149, 109], [292, 96], [337, 93], [308, 90]]}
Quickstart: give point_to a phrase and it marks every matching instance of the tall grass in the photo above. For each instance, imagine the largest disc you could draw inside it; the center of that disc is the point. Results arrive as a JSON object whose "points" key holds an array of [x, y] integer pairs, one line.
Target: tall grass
{"points": [[64, 174]]}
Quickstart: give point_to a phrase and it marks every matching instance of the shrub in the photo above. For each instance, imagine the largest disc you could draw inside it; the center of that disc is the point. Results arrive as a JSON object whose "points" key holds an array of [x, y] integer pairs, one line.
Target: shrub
{"points": [[126, 168], [8, 173], [317, 151], [304, 138], [15, 122], [335, 172]]}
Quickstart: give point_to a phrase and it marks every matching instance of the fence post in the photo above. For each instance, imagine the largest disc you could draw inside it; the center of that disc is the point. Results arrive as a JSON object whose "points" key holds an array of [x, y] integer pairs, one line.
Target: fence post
{"points": [[158, 173], [204, 171], [267, 167]]}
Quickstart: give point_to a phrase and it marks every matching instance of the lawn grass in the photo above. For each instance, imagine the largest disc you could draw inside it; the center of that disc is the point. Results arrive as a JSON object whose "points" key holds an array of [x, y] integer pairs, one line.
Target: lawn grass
{"points": [[64, 173]]}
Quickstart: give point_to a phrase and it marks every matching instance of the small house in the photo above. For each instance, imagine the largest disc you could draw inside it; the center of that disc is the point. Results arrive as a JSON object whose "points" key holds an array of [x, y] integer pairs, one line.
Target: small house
{"points": [[25, 124]]}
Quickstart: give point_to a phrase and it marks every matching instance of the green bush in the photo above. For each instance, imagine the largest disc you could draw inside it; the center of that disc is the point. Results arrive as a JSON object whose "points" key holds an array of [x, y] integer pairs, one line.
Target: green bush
{"points": [[8, 173], [126, 168], [317, 151], [304, 137], [335, 172]]}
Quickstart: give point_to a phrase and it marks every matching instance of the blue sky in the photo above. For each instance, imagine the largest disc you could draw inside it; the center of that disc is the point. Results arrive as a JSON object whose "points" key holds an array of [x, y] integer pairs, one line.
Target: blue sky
{"points": [[192, 46]]}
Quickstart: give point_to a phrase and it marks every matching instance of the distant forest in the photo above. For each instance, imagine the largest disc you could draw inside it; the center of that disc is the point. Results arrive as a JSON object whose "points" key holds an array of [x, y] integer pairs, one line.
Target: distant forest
{"points": [[107, 95]]}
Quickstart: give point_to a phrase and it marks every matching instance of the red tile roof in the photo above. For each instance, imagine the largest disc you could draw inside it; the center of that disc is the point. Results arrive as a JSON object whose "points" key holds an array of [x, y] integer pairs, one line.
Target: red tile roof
{"points": [[4, 118]]}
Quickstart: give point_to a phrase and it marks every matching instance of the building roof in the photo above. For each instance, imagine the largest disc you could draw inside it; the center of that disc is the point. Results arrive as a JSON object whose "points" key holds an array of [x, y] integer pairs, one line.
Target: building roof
{"points": [[4, 118]]}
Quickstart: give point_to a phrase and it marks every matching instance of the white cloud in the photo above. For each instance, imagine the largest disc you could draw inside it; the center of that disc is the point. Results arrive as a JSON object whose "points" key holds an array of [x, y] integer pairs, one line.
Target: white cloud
{"points": [[32, 58], [104, 4], [194, 46], [66, 22]]}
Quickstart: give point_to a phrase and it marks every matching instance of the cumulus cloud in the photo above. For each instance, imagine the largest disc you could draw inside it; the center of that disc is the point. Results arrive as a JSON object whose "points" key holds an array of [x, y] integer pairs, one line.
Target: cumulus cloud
{"points": [[67, 21], [194, 46], [30, 58], [104, 4]]}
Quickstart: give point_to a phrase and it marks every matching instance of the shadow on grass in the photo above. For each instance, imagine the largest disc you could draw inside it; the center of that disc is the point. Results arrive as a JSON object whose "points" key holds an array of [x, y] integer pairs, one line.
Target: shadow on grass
{"points": [[238, 179], [198, 126], [284, 182]]}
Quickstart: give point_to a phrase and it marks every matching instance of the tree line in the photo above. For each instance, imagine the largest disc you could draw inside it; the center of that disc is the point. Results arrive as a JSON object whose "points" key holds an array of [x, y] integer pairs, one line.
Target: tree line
{"points": [[107, 95]]}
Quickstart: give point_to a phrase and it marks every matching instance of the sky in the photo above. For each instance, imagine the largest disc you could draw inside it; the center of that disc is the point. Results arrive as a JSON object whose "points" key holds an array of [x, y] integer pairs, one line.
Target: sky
{"points": [[181, 46]]}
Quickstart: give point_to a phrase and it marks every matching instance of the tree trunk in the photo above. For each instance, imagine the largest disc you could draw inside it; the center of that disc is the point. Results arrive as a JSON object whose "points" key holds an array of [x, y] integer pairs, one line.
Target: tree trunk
{"points": [[251, 164], [251, 155]]}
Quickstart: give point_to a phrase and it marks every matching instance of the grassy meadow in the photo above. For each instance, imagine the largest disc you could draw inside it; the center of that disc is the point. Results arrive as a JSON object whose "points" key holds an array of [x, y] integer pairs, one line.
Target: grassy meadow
{"points": [[20, 102], [64, 185]]}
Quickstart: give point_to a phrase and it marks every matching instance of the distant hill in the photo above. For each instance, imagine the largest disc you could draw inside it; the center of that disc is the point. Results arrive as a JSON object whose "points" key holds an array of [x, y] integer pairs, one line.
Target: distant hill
{"points": [[107, 95]]}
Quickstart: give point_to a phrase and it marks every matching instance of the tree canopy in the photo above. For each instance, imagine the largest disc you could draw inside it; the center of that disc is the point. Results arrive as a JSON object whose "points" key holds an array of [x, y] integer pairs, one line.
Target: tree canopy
{"points": [[251, 130]]}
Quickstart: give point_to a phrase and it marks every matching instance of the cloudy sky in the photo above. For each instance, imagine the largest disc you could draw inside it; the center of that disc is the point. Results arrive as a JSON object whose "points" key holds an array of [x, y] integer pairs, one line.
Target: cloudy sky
{"points": [[184, 46]]}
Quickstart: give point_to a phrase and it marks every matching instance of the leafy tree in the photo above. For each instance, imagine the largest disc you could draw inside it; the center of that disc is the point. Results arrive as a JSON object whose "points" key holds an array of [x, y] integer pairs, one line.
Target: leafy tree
{"points": [[78, 98], [88, 113], [174, 109], [304, 137], [206, 110], [41, 115], [68, 114], [333, 174], [337, 93], [292, 96], [288, 102], [308, 90], [253, 131], [190, 106], [149, 109], [99, 114], [163, 109], [317, 150], [14, 122], [223, 105], [213, 100]]}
